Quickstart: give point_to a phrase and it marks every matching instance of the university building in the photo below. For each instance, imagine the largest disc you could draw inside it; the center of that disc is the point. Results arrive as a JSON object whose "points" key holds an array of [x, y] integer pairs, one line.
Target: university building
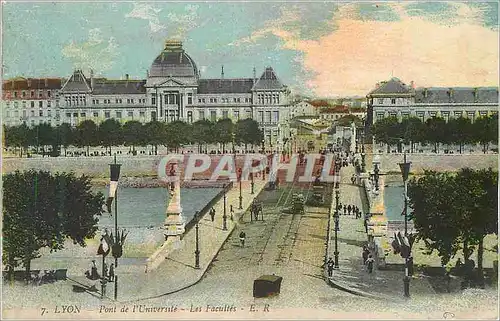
{"points": [[173, 90], [395, 98]]}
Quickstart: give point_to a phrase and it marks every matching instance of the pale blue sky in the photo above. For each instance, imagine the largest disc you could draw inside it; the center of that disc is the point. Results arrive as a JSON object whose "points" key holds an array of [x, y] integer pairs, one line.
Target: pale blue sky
{"points": [[50, 39]]}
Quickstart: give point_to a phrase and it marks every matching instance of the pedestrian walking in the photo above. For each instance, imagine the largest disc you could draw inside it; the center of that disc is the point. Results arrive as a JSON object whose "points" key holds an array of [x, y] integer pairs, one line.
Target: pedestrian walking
{"points": [[212, 214], [365, 254], [345, 209], [366, 225], [231, 211], [349, 209], [112, 272], [242, 238], [329, 266], [369, 263], [93, 271]]}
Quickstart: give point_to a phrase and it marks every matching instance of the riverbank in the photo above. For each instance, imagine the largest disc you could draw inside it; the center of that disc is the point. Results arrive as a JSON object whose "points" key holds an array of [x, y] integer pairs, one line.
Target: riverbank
{"points": [[154, 182]]}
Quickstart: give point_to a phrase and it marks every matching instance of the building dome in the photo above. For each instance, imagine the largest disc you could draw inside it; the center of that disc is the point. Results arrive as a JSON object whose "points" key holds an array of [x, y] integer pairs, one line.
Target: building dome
{"points": [[173, 62]]}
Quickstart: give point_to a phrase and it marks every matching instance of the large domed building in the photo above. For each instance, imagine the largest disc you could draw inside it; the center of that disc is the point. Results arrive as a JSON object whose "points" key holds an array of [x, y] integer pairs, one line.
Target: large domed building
{"points": [[173, 61], [173, 90]]}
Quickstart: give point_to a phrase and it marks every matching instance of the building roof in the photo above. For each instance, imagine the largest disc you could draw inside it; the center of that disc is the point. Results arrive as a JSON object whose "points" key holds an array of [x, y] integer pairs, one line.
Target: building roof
{"points": [[268, 81], [319, 103], [110, 86], [334, 110], [220, 86], [77, 82], [393, 86], [173, 61], [436, 95], [31, 83]]}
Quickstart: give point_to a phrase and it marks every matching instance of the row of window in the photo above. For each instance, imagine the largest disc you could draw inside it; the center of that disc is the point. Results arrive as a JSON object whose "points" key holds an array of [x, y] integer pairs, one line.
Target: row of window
{"points": [[32, 94], [107, 114], [225, 100], [273, 98], [129, 101], [40, 104], [41, 113], [443, 114], [267, 119]]}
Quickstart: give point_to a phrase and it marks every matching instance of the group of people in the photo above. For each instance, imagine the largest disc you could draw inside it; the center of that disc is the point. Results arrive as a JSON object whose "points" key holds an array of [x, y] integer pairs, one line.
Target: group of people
{"points": [[352, 208], [109, 274]]}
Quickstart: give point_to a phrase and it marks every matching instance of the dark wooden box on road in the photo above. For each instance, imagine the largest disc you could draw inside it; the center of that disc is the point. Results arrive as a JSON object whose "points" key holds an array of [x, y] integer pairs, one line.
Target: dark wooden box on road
{"points": [[267, 285]]}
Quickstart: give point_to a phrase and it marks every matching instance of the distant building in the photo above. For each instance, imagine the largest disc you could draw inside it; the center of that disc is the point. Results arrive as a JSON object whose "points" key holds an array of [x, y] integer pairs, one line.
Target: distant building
{"points": [[173, 90], [31, 100], [395, 98], [303, 108]]}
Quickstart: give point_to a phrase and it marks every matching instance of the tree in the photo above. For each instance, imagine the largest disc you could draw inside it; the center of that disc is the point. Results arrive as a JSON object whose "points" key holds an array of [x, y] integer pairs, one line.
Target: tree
{"points": [[413, 131], [478, 207], [45, 135], [435, 131], [247, 131], [455, 211], [110, 133], [484, 131], [176, 134], [42, 210], [223, 131], [461, 131], [202, 132], [65, 136], [431, 200], [86, 134], [133, 134], [155, 133], [387, 131]]}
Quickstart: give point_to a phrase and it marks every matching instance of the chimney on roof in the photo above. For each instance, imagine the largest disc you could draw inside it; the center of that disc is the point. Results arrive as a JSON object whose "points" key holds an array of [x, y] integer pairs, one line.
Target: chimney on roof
{"points": [[377, 85], [29, 83], [254, 75], [475, 94], [13, 83], [126, 77], [222, 72], [92, 82], [412, 84], [46, 83], [450, 93], [425, 92]]}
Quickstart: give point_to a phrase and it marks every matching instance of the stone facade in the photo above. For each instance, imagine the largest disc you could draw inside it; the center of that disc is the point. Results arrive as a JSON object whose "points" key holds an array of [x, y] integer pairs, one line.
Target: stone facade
{"points": [[172, 90], [395, 98], [31, 100]]}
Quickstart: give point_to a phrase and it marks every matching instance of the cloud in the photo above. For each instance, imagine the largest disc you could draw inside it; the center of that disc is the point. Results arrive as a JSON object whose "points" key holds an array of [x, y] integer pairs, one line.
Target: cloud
{"points": [[447, 49], [182, 23], [147, 12], [96, 53]]}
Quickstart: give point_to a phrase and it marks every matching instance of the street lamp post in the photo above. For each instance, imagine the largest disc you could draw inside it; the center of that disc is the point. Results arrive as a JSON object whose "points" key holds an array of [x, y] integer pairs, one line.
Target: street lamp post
{"points": [[376, 170], [337, 205], [241, 196], [117, 246], [197, 251], [252, 183], [405, 171], [224, 217]]}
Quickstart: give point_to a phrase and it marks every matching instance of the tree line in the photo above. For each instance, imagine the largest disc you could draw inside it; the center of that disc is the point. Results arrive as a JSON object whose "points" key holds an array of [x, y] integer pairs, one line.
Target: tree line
{"points": [[133, 133], [455, 211], [41, 210], [436, 131]]}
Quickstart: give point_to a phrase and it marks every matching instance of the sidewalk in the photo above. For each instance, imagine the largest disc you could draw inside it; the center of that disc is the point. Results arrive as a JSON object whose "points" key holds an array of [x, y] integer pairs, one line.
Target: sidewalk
{"points": [[352, 276], [177, 272]]}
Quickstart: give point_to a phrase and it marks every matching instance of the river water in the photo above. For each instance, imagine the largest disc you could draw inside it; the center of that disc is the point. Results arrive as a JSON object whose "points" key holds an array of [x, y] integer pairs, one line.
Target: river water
{"points": [[141, 211]]}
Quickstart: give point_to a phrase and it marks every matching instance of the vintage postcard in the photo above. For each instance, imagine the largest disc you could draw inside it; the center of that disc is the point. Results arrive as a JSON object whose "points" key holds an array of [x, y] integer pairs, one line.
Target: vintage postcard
{"points": [[249, 160]]}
